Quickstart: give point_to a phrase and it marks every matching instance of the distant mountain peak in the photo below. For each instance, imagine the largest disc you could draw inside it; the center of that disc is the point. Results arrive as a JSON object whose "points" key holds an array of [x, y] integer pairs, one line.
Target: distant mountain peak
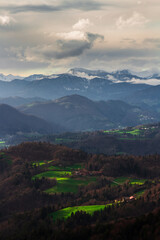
{"points": [[125, 71], [9, 77]]}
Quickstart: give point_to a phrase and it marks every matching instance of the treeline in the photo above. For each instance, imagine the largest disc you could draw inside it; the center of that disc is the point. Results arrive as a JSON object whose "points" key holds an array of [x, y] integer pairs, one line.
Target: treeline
{"points": [[39, 151], [125, 165], [135, 221]]}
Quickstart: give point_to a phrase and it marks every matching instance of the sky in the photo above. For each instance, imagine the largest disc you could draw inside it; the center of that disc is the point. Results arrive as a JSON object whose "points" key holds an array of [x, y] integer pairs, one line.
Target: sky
{"points": [[52, 36]]}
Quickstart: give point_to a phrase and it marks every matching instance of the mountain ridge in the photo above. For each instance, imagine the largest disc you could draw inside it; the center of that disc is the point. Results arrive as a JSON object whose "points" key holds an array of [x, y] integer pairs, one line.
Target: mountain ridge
{"points": [[79, 113], [13, 121]]}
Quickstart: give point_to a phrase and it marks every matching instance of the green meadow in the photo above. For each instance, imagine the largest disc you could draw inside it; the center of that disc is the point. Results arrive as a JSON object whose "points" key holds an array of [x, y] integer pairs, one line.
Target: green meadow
{"points": [[70, 184], [53, 174], [66, 168], [137, 181], [40, 163], [133, 132], [122, 180], [67, 212], [63, 176]]}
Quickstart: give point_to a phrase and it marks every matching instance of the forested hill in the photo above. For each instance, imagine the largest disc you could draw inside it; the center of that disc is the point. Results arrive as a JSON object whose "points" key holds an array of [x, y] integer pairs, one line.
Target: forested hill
{"points": [[39, 181]]}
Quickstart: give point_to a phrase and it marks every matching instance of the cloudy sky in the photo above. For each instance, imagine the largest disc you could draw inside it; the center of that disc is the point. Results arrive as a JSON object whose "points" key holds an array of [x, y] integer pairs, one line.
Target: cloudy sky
{"points": [[52, 36]]}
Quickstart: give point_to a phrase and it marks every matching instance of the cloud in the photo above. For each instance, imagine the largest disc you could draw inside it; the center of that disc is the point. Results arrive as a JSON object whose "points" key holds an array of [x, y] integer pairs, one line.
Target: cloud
{"points": [[6, 20], [64, 5], [78, 33], [152, 41], [136, 20], [63, 50], [73, 48], [74, 43], [74, 35], [82, 24]]}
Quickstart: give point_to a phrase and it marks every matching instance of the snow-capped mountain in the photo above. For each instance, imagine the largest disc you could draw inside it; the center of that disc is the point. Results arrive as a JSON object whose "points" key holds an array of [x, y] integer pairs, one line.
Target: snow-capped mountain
{"points": [[9, 77]]}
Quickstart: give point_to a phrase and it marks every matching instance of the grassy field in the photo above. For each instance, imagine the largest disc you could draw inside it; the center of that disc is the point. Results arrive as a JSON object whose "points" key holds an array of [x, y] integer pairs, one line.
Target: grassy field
{"points": [[114, 131], [137, 181], [62, 174], [3, 144], [66, 212], [134, 132], [53, 174], [122, 180], [66, 168], [40, 163], [70, 184]]}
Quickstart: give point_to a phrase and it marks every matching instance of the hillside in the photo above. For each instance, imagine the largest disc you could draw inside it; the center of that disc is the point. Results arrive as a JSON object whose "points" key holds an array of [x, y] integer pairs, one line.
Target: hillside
{"points": [[53, 192], [18, 101], [13, 121], [149, 97], [78, 113], [139, 140]]}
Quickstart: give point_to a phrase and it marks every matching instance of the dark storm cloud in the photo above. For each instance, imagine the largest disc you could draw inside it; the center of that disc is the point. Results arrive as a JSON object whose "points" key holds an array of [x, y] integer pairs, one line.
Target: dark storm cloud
{"points": [[76, 4], [75, 48]]}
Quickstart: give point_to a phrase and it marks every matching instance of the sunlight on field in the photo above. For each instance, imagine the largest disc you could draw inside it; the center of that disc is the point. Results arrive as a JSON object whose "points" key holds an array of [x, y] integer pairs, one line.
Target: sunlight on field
{"points": [[67, 212], [53, 174], [122, 180], [70, 184]]}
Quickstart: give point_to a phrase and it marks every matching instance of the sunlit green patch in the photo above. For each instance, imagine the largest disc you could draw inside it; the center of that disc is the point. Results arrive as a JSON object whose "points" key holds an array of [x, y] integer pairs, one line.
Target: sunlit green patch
{"points": [[70, 184], [135, 132], [67, 212], [122, 180], [2, 142], [40, 163], [114, 131], [137, 181], [67, 168], [53, 174]]}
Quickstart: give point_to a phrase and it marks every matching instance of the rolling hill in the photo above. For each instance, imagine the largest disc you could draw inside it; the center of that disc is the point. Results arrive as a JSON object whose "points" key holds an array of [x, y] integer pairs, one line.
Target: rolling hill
{"points": [[149, 97], [13, 121], [78, 113], [18, 101]]}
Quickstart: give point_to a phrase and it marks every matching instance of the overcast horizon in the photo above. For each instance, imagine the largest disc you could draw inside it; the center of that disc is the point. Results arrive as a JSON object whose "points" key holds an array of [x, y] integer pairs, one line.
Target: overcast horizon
{"points": [[53, 36]]}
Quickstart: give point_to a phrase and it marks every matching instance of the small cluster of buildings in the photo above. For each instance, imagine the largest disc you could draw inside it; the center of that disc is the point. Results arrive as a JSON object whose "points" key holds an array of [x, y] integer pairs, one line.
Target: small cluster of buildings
{"points": [[85, 173]]}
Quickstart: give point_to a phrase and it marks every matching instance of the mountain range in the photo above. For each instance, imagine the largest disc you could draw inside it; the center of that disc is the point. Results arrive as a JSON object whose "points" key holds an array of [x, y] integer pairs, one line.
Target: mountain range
{"points": [[84, 100], [96, 85]]}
